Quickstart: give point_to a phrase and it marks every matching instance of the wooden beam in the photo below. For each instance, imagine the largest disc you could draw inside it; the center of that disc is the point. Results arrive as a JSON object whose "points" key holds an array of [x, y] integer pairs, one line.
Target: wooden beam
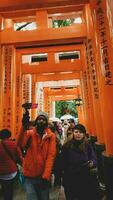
{"points": [[62, 91], [48, 49], [66, 9], [8, 6], [31, 12], [57, 76], [64, 97], [63, 66], [43, 35]]}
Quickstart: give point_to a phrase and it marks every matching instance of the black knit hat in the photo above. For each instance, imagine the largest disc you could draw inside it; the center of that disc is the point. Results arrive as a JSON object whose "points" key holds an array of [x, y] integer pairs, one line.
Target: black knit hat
{"points": [[44, 114], [5, 133], [81, 128]]}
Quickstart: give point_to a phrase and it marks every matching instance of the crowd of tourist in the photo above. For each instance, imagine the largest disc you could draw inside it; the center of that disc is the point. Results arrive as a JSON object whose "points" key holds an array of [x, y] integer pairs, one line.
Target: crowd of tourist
{"points": [[45, 149]]}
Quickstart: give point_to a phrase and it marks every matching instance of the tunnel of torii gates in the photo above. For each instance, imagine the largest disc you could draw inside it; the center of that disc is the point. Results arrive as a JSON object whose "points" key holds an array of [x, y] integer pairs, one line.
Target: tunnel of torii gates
{"points": [[93, 39], [51, 95]]}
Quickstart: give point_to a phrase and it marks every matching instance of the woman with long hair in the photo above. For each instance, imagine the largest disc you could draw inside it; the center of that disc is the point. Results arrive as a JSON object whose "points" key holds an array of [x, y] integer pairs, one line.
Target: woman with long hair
{"points": [[77, 160]]}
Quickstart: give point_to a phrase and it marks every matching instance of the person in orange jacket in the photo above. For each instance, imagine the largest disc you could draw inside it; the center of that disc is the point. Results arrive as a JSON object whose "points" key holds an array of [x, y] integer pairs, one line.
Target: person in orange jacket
{"points": [[39, 159]]}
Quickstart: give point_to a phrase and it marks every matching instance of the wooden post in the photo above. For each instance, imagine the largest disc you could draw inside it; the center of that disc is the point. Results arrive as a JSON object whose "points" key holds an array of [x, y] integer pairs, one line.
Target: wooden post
{"points": [[33, 96], [7, 82], [1, 22], [1, 86], [8, 24], [42, 19], [94, 75], [47, 100], [18, 94], [87, 94], [26, 88], [104, 49]]}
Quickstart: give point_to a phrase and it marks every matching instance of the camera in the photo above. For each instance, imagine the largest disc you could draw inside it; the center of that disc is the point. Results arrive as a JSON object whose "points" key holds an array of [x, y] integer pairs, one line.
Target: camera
{"points": [[26, 117], [28, 106]]}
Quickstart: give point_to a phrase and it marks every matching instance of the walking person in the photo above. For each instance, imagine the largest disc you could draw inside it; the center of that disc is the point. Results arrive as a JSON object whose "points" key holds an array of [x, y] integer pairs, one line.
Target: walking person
{"points": [[8, 169], [77, 160], [70, 129], [56, 172], [39, 159]]}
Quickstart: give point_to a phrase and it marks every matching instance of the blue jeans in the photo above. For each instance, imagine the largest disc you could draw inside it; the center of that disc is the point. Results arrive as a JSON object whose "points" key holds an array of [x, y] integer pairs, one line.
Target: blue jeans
{"points": [[33, 190]]}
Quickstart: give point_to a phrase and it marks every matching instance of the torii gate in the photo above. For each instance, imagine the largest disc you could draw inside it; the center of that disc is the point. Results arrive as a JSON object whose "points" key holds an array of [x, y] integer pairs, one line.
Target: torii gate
{"points": [[95, 66], [51, 94]]}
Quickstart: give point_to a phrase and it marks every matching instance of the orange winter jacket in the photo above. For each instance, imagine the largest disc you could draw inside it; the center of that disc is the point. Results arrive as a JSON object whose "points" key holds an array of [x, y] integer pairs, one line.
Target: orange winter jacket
{"points": [[40, 156]]}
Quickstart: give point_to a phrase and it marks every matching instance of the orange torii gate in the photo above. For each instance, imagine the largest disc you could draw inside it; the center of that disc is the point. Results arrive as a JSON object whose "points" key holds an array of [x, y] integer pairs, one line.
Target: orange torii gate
{"points": [[94, 37], [50, 70], [49, 93], [58, 94]]}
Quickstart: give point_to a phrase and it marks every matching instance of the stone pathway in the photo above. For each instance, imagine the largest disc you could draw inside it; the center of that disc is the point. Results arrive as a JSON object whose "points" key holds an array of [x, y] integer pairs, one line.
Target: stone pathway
{"points": [[55, 193]]}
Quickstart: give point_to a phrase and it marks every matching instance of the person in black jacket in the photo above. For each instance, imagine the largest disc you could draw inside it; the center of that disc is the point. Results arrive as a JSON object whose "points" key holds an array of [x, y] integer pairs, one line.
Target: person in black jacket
{"points": [[77, 160]]}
